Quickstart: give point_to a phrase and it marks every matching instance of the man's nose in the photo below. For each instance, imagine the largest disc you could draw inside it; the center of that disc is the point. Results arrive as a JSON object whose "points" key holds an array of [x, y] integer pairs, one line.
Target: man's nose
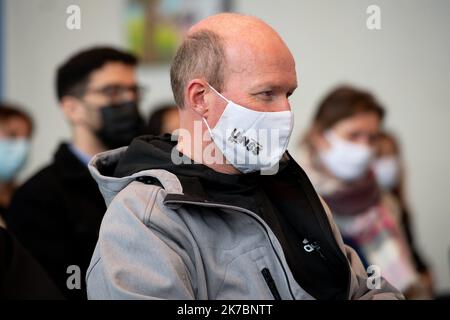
{"points": [[285, 105], [128, 95]]}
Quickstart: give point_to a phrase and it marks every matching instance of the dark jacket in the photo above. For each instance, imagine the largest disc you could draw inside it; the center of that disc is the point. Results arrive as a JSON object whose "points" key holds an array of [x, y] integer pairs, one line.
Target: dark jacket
{"points": [[56, 215], [21, 277]]}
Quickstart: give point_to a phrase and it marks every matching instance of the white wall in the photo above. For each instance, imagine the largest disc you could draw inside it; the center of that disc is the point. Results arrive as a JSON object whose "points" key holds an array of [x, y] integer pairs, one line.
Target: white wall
{"points": [[406, 64]]}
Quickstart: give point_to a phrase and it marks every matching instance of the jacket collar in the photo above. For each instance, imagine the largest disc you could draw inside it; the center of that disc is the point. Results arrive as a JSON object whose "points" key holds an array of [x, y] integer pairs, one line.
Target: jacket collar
{"points": [[179, 189], [102, 164], [194, 191], [68, 165]]}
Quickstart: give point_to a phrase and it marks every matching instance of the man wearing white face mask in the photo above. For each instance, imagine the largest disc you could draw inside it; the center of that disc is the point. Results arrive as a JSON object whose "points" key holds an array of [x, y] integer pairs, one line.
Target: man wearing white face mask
{"points": [[251, 140], [200, 217], [337, 153]]}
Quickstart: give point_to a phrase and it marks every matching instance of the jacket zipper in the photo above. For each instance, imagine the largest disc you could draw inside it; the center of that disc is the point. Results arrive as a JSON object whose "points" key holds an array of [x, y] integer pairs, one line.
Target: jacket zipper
{"points": [[253, 216], [271, 283]]}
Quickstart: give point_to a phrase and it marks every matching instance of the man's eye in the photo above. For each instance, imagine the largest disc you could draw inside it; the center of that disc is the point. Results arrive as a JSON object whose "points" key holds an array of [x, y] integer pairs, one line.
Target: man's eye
{"points": [[267, 94], [113, 90]]}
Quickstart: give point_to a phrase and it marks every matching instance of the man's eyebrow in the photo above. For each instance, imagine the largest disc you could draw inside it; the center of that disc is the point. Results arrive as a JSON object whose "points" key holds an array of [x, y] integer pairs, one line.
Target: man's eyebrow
{"points": [[275, 87]]}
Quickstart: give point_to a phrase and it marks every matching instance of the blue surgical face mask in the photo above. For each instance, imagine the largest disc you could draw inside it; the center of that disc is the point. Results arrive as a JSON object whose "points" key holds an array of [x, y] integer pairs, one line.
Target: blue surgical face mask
{"points": [[13, 154]]}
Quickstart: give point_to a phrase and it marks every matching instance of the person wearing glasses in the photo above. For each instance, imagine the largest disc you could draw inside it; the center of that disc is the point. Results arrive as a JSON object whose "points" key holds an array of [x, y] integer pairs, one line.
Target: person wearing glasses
{"points": [[56, 215]]}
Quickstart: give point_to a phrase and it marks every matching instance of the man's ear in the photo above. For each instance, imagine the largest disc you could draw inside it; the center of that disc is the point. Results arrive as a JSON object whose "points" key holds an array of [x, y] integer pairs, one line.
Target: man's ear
{"points": [[196, 97], [72, 108]]}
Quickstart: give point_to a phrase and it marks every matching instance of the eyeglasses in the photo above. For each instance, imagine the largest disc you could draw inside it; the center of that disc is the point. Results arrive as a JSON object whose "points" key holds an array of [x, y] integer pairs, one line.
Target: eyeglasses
{"points": [[117, 91]]}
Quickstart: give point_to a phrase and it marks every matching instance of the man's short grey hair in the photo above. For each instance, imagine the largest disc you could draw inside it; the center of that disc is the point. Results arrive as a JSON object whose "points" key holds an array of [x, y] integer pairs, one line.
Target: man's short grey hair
{"points": [[201, 55]]}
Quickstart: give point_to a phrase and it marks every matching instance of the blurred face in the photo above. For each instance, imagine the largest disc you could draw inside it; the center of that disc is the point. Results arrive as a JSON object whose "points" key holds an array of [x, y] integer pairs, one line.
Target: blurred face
{"points": [[360, 129], [106, 116], [385, 148], [387, 165], [14, 145], [346, 149], [14, 128], [170, 121], [114, 83]]}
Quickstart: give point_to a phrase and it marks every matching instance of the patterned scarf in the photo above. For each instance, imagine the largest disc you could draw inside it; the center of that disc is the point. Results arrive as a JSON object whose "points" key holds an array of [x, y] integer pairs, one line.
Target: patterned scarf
{"points": [[363, 218]]}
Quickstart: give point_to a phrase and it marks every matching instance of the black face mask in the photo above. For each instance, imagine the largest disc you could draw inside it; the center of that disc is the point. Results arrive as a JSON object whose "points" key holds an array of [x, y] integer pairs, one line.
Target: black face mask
{"points": [[121, 123]]}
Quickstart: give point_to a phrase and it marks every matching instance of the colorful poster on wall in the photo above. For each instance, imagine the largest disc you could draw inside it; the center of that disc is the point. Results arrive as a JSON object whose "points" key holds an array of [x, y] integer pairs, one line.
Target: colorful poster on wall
{"points": [[155, 28]]}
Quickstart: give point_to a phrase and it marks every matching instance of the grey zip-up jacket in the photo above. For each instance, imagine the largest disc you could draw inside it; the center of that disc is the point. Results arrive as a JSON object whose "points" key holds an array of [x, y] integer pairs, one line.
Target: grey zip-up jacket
{"points": [[155, 246]]}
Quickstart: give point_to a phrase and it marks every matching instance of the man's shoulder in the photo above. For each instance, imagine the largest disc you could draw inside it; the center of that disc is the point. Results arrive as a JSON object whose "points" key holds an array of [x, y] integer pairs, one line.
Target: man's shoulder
{"points": [[146, 203], [47, 178], [147, 199], [42, 181]]}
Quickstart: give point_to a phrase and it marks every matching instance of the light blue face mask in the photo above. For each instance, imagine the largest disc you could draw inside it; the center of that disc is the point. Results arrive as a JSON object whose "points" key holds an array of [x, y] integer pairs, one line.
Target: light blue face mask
{"points": [[13, 154]]}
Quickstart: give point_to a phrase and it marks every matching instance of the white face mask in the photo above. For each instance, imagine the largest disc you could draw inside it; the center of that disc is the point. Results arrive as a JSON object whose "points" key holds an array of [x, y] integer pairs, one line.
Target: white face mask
{"points": [[252, 140], [386, 171], [345, 160]]}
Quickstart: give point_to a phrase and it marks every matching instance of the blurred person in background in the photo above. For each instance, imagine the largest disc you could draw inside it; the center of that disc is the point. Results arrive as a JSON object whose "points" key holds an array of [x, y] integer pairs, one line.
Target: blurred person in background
{"points": [[389, 171], [21, 277], [337, 153], [56, 214], [164, 119], [16, 128]]}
